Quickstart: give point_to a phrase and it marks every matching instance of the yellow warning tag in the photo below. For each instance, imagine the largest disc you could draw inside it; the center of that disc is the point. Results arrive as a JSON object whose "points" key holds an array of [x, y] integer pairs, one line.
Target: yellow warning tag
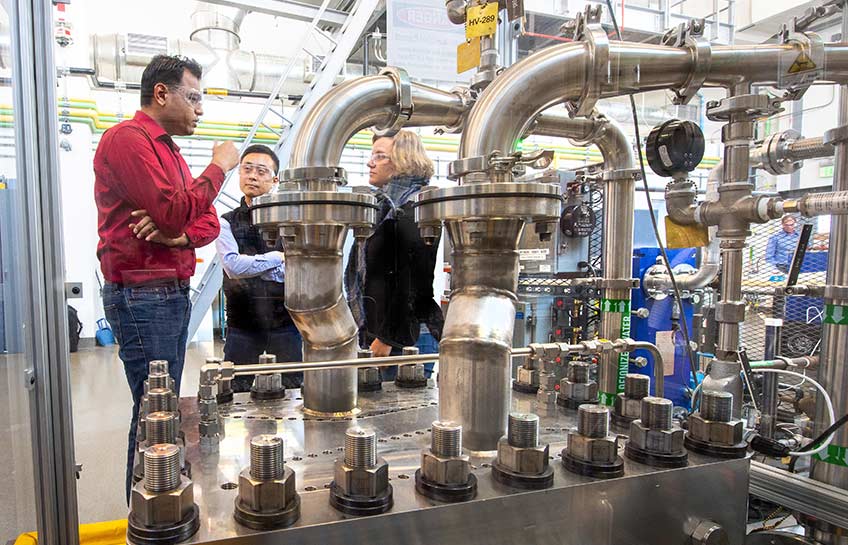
{"points": [[481, 20], [468, 55], [685, 236], [802, 64]]}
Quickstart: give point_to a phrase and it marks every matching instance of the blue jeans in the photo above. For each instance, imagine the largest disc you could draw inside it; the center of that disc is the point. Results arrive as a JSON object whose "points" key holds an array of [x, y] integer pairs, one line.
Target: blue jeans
{"points": [[149, 323], [244, 346], [427, 344]]}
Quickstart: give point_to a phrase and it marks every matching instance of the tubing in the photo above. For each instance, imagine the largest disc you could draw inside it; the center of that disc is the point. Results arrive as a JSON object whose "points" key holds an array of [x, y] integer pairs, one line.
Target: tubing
{"points": [[558, 73], [361, 103]]}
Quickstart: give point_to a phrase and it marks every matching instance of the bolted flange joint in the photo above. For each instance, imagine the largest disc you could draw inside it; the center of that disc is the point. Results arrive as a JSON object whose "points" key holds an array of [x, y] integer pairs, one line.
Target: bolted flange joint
{"points": [[521, 461], [591, 450], [713, 431], [577, 388], [267, 492], [445, 473], [655, 440], [361, 480]]}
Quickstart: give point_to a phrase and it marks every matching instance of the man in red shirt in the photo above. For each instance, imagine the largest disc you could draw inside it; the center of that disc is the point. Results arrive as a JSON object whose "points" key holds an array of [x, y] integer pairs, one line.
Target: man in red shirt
{"points": [[151, 215]]}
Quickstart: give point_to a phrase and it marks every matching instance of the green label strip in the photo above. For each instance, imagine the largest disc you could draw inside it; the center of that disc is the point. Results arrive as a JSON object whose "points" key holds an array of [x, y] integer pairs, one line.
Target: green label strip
{"points": [[836, 314], [622, 306], [835, 455]]}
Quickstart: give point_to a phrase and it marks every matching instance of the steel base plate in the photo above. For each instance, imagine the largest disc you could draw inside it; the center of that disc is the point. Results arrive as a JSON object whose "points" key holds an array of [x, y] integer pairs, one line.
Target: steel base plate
{"points": [[655, 459], [138, 534], [448, 493], [598, 471], [267, 521]]}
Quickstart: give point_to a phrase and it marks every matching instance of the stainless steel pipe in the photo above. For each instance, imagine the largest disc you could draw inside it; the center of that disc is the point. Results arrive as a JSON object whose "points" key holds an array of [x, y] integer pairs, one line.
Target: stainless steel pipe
{"points": [[556, 74], [361, 103]]}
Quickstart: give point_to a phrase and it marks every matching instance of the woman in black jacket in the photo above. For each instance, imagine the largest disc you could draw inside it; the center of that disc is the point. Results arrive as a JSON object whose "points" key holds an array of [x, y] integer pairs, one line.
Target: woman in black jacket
{"points": [[389, 276]]}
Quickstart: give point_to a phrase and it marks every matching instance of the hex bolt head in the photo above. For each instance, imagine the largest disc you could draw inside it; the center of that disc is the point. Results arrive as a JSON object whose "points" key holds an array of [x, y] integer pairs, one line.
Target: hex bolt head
{"points": [[446, 439], [636, 386], [157, 366], [410, 351], [717, 406], [656, 413], [267, 358], [267, 457], [161, 468], [523, 430], [360, 448], [578, 372], [593, 420]]}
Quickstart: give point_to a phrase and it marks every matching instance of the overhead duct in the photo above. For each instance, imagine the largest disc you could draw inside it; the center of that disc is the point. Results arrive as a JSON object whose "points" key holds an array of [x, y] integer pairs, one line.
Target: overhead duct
{"points": [[214, 43]]}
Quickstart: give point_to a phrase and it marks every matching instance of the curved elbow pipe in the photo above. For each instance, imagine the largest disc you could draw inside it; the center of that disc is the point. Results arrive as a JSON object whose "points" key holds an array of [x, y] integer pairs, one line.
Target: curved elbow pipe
{"points": [[559, 73], [366, 102]]}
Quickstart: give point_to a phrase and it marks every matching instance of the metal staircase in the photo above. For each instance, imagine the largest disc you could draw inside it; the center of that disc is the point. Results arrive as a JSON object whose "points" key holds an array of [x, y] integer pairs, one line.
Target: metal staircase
{"points": [[338, 48]]}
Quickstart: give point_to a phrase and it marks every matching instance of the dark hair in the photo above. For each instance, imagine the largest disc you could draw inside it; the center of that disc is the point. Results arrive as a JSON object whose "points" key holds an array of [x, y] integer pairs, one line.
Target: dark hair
{"points": [[166, 69], [265, 150]]}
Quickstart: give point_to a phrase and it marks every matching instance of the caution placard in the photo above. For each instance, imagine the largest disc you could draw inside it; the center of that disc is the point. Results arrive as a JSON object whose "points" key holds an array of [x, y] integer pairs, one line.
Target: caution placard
{"points": [[802, 63], [467, 55], [481, 20]]}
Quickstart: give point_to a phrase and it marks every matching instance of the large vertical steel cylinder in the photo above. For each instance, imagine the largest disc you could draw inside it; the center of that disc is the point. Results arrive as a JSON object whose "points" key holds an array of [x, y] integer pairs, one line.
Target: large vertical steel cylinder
{"points": [[475, 349]]}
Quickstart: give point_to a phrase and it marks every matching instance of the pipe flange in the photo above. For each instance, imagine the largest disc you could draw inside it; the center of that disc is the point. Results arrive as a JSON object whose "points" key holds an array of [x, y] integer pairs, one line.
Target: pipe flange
{"points": [[139, 534], [751, 106], [534, 201], [774, 157], [739, 450], [591, 469], [403, 88], [282, 208], [656, 459], [691, 35], [524, 387], [523, 480], [448, 493], [308, 174], [361, 506], [836, 135], [267, 521], [467, 97], [587, 28]]}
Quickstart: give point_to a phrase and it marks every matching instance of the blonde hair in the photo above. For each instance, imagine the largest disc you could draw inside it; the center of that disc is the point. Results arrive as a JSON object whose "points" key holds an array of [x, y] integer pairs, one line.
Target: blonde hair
{"points": [[409, 156]]}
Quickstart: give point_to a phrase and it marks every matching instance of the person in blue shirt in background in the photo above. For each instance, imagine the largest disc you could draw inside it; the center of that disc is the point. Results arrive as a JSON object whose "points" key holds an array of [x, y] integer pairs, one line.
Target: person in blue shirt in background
{"points": [[781, 246], [257, 319]]}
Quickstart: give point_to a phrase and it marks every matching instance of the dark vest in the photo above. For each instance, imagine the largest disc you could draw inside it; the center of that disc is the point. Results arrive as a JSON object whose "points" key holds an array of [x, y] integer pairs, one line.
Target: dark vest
{"points": [[253, 303]]}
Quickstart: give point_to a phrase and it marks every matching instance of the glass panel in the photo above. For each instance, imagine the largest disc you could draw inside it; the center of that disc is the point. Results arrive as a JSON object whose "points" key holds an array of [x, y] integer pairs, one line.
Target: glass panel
{"points": [[18, 507]]}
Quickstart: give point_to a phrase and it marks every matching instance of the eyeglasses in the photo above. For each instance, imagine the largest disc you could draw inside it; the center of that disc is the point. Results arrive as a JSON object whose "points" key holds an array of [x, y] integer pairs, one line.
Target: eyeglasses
{"points": [[248, 168], [377, 157], [194, 98]]}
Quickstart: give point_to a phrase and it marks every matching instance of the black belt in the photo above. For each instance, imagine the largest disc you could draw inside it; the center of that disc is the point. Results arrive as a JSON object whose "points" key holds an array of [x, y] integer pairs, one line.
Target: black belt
{"points": [[186, 283]]}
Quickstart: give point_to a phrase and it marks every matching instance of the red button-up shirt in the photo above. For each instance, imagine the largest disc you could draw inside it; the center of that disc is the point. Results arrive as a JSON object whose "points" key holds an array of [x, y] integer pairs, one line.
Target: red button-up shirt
{"points": [[137, 165]]}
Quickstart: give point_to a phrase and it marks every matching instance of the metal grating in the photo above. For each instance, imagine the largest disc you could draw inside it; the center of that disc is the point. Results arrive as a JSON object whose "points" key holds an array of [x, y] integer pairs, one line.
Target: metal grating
{"points": [[801, 315]]}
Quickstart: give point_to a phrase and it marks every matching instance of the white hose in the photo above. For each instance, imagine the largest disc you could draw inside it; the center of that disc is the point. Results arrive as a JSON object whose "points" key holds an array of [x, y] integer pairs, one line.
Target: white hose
{"points": [[827, 401]]}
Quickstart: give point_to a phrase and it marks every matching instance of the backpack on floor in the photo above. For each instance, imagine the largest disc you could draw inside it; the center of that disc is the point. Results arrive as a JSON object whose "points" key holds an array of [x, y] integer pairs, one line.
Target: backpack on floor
{"points": [[74, 329]]}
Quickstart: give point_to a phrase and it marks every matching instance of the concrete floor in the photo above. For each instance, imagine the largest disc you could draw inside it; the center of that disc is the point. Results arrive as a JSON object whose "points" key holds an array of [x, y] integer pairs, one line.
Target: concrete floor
{"points": [[101, 405]]}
